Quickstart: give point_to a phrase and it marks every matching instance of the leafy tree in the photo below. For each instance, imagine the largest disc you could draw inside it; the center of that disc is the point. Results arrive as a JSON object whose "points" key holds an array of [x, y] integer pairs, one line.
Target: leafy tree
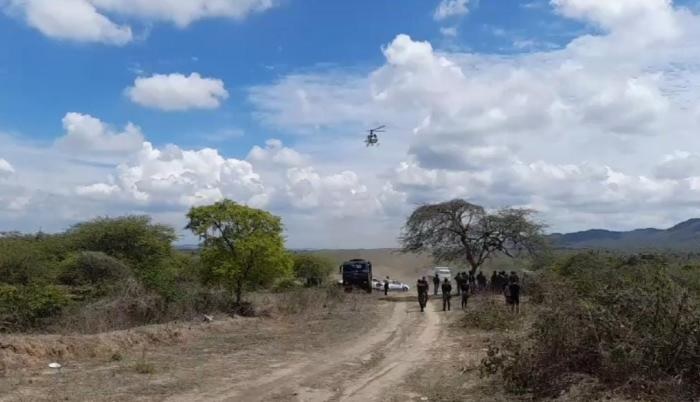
{"points": [[242, 248], [134, 240], [312, 269], [458, 230], [27, 259]]}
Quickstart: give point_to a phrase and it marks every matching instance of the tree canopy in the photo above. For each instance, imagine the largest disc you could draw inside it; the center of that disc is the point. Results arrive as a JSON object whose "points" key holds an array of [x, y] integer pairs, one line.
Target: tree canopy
{"points": [[458, 230], [243, 247]]}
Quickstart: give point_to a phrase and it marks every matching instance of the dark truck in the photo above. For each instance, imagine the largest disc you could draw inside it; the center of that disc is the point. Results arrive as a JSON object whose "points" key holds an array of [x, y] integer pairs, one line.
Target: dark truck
{"points": [[357, 273]]}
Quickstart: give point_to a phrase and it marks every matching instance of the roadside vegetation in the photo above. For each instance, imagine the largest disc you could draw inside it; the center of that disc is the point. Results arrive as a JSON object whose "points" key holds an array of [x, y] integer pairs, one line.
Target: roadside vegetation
{"points": [[115, 273], [609, 324]]}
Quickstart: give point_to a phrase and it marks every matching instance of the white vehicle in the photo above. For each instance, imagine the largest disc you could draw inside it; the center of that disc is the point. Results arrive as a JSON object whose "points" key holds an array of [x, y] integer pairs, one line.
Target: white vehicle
{"points": [[393, 285], [442, 273]]}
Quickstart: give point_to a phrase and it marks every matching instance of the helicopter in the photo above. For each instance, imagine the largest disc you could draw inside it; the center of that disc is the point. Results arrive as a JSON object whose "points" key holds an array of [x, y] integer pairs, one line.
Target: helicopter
{"points": [[372, 138]]}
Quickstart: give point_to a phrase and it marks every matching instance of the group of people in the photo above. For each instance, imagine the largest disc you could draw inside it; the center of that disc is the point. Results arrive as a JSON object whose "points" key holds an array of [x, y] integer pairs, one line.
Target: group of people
{"points": [[468, 283]]}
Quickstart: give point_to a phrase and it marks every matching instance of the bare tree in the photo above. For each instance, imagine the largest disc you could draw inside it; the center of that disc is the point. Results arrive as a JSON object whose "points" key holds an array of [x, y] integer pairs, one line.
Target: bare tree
{"points": [[456, 230]]}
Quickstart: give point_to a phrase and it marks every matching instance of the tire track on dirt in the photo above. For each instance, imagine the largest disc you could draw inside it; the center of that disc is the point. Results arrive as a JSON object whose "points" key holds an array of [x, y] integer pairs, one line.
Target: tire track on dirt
{"points": [[363, 370]]}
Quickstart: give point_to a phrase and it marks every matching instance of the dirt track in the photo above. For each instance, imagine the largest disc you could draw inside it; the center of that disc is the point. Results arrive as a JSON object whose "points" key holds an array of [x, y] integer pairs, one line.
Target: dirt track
{"points": [[368, 369]]}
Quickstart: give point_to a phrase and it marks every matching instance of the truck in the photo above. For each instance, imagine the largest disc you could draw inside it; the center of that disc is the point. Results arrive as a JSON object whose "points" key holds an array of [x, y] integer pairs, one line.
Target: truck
{"points": [[442, 273], [357, 273]]}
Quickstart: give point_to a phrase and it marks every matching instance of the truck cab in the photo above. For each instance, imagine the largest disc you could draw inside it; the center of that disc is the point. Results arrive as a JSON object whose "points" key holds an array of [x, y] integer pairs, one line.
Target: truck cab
{"points": [[442, 273], [357, 273]]}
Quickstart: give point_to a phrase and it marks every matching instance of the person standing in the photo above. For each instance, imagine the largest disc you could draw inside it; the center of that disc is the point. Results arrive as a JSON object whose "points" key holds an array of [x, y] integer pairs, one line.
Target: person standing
{"points": [[423, 289], [514, 290], [386, 286], [446, 294], [436, 284], [465, 294], [458, 281]]}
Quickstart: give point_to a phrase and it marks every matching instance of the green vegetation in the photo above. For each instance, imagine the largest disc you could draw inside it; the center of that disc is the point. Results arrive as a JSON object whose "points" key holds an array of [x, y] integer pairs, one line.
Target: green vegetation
{"points": [[460, 231], [243, 247], [631, 324], [113, 273], [312, 270]]}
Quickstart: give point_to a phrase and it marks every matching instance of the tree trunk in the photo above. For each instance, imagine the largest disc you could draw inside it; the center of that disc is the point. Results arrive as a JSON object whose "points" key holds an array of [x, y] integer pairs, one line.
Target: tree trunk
{"points": [[239, 291]]}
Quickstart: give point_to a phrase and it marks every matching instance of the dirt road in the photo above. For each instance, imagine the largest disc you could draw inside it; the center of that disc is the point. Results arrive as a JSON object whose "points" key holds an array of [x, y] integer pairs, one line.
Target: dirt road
{"points": [[367, 369]]}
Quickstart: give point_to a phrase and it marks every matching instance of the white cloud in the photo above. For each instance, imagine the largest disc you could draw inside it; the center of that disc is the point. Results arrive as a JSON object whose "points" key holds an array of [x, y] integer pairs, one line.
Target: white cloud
{"points": [[6, 169], [451, 8], [678, 165], [176, 92], [275, 153], [76, 20], [574, 132], [449, 31], [184, 12], [652, 19], [91, 20], [88, 137]]}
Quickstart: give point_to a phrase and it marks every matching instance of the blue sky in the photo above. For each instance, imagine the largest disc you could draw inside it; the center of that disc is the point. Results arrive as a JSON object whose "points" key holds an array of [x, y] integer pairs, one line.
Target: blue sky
{"points": [[585, 110], [295, 36]]}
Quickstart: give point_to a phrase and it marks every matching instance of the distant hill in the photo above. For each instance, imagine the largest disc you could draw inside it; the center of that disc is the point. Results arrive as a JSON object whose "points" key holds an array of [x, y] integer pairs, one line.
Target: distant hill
{"points": [[684, 236]]}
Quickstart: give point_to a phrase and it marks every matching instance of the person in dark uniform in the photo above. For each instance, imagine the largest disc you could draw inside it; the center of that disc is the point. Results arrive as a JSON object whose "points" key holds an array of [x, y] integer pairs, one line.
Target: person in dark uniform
{"points": [[446, 294], [494, 282], [514, 290], [458, 281], [436, 284], [465, 293], [423, 289], [386, 286]]}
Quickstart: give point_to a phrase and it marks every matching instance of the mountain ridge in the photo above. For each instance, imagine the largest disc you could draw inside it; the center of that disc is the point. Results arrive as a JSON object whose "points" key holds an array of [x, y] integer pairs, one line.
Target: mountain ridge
{"points": [[684, 236]]}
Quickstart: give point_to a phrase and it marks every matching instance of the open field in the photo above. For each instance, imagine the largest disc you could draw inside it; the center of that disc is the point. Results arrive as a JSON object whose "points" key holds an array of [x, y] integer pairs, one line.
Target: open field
{"points": [[356, 348]]}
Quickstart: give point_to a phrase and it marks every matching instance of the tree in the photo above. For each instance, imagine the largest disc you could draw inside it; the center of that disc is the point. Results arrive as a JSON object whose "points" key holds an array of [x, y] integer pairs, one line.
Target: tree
{"points": [[242, 247], [456, 230], [134, 240], [312, 269]]}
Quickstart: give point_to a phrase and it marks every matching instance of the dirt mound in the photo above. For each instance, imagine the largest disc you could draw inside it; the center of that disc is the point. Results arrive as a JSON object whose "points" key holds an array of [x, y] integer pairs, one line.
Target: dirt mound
{"points": [[29, 351]]}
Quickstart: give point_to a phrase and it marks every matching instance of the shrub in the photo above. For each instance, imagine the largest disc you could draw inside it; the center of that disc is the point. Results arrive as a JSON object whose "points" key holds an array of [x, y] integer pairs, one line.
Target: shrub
{"points": [[615, 319], [134, 240], [491, 316], [23, 307], [311, 269], [92, 268]]}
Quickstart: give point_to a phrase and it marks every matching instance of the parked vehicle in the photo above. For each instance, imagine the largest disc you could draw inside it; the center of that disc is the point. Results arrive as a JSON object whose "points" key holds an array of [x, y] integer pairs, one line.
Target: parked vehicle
{"points": [[393, 285], [357, 273], [442, 273]]}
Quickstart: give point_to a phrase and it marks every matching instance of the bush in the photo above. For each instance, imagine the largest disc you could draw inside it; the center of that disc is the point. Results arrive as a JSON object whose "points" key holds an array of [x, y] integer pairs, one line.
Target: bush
{"points": [[26, 260], [134, 240], [615, 319], [311, 269], [491, 316], [92, 268], [23, 307]]}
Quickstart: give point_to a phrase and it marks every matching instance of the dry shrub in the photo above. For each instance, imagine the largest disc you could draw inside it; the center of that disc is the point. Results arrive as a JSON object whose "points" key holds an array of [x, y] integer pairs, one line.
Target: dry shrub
{"points": [[626, 323], [308, 300], [491, 315]]}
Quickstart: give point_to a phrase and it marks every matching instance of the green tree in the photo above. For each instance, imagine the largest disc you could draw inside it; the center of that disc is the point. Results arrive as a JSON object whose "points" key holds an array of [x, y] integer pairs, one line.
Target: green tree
{"points": [[314, 270], [134, 240], [458, 230], [242, 247]]}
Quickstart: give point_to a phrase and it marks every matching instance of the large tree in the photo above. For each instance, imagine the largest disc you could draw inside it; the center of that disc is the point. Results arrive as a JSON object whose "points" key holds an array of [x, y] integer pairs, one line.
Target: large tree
{"points": [[243, 247], [458, 230]]}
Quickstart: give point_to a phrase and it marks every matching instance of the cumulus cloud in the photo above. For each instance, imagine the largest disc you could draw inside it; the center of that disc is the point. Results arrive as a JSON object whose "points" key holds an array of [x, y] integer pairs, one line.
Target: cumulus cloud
{"points": [[89, 137], [573, 132], [451, 8], [679, 165], [449, 31], [177, 92], [76, 20], [91, 20], [6, 169]]}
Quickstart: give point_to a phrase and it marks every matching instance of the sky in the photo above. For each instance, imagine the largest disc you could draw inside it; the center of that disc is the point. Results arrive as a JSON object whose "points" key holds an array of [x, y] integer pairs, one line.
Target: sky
{"points": [[584, 110]]}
